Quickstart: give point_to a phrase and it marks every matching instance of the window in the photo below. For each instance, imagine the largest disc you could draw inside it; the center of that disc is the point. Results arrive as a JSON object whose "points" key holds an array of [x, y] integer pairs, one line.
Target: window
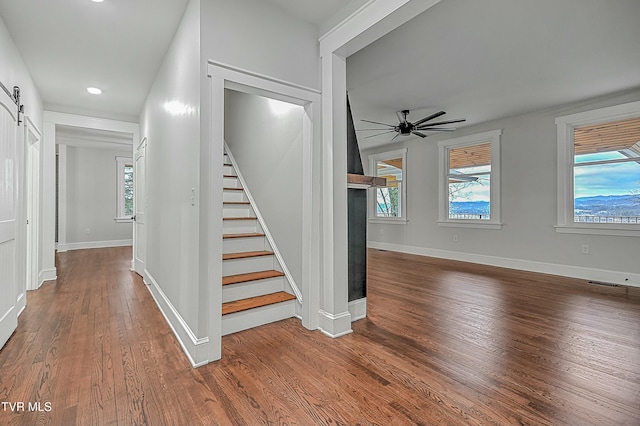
{"points": [[389, 203], [599, 171], [124, 170], [470, 181]]}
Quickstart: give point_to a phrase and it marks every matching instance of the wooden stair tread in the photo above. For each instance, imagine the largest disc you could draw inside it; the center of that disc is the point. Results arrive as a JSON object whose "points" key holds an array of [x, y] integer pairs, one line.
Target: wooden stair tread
{"points": [[240, 218], [227, 164], [236, 202], [251, 276], [243, 235], [246, 254], [230, 176], [233, 189], [255, 302]]}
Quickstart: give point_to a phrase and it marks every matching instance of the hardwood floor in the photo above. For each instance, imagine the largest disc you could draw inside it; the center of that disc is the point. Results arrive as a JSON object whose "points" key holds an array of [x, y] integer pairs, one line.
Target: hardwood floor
{"points": [[445, 343]]}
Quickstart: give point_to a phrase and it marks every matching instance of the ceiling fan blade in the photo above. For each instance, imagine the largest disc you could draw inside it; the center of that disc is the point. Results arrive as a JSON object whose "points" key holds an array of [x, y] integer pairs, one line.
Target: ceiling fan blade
{"points": [[402, 117], [378, 134], [363, 130], [376, 122], [431, 117], [422, 135], [394, 137], [439, 123], [436, 129]]}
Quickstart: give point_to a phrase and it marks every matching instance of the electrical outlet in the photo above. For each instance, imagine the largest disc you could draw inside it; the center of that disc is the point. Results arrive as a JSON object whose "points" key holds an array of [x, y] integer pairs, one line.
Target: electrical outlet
{"points": [[455, 238], [87, 231], [585, 249]]}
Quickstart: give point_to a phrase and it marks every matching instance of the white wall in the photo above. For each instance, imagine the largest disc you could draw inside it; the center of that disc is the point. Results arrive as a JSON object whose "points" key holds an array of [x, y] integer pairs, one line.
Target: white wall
{"points": [[14, 72], [528, 239], [254, 35], [267, 146], [173, 150], [91, 201]]}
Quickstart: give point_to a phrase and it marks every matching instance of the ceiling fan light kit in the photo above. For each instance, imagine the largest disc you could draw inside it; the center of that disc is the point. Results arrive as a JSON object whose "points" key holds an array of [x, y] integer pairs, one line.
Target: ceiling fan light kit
{"points": [[406, 128]]}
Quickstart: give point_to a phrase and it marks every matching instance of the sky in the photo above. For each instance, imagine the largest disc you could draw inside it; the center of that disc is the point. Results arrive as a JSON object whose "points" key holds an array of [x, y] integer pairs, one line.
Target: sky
{"points": [[606, 179]]}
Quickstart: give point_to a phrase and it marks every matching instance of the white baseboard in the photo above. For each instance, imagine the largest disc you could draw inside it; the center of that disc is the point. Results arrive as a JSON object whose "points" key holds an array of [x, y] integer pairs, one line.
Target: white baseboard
{"points": [[94, 244], [591, 274], [8, 324], [335, 325], [47, 275], [358, 309], [21, 302], [195, 348]]}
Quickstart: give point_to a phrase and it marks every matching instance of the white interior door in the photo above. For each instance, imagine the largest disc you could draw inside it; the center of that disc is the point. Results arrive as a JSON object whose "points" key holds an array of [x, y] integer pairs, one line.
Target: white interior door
{"points": [[32, 187], [140, 202], [8, 198]]}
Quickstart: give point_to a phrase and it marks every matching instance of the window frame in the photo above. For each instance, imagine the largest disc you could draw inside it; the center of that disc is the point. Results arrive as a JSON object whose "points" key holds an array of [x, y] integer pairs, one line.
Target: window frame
{"points": [[389, 155], [493, 138], [121, 163], [565, 126]]}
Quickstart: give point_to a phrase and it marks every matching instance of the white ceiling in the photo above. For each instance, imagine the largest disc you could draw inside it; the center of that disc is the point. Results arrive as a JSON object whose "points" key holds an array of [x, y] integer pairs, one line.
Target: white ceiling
{"points": [[69, 45], [489, 59]]}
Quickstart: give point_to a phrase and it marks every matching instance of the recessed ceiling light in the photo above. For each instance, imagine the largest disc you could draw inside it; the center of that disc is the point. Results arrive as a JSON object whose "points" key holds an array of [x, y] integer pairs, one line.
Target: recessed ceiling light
{"points": [[94, 90]]}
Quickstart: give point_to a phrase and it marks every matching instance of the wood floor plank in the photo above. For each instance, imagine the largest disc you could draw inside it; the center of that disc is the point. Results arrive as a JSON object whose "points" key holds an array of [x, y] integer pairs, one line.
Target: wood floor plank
{"points": [[444, 343]]}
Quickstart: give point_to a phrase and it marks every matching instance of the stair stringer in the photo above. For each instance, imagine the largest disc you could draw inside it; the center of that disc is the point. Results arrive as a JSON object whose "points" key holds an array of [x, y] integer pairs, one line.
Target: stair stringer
{"points": [[280, 264]]}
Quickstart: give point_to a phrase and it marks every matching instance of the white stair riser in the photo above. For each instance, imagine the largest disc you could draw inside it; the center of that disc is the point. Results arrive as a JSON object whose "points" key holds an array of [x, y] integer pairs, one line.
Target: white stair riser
{"points": [[236, 245], [228, 170], [251, 289], [244, 266], [239, 321], [239, 226], [233, 196], [237, 210], [229, 182], [225, 159]]}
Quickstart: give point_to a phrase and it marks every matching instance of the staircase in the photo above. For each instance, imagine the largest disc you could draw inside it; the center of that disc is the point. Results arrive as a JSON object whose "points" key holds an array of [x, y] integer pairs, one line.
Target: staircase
{"points": [[255, 290]]}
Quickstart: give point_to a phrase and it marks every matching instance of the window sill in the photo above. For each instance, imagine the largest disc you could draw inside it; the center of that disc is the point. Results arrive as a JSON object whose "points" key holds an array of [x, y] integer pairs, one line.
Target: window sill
{"points": [[389, 221], [470, 224], [123, 220], [602, 229]]}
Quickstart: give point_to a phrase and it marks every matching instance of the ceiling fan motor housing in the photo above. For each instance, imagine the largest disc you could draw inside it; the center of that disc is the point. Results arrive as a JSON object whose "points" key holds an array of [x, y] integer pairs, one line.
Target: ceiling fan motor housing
{"points": [[404, 128]]}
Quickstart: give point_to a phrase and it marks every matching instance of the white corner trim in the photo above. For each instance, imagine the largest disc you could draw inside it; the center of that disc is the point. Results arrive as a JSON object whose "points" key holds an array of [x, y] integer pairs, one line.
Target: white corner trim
{"points": [[94, 244], [616, 277], [195, 348], [47, 275], [335, 325], [358, 309], [263, 224]]}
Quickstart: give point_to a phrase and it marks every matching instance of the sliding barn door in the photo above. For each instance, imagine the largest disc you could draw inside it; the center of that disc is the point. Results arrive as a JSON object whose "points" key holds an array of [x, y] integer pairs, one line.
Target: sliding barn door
{"points": [[8, 196]]}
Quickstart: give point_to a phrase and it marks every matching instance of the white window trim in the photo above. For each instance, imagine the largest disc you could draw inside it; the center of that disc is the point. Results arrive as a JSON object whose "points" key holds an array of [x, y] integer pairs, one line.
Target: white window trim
{"points": [[388, 155], [121, 162], [492, 137], [565, 126]]}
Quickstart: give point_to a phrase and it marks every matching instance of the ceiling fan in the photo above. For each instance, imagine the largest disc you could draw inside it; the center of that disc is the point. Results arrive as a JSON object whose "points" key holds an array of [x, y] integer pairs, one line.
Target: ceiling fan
{"points": [[406, 128]]}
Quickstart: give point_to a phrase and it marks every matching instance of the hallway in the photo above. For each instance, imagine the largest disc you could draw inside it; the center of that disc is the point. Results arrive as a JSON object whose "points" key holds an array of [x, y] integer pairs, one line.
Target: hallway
{"points": [[444, 343]]}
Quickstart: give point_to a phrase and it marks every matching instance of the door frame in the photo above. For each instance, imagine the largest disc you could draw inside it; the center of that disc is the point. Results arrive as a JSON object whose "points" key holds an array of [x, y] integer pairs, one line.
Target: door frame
{"points": [[48, 191], [32, 142], [139, 246]]}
